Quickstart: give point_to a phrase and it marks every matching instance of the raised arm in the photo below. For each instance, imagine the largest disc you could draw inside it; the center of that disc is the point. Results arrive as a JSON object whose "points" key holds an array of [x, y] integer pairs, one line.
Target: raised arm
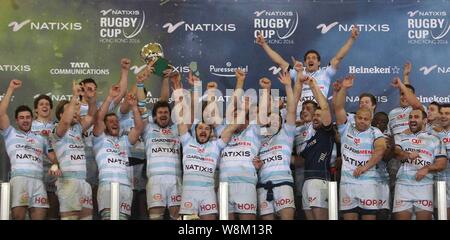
{"points": [[298, 87], [99, 124], [136, 131], [406, 71], [91, 97], [125, 64], [179, 99], [323, 103], [238, 90], [285, 79], [69, 112], [274, 56], [408, 93], [4, 119], [377, 155], [339, 103], [165, 89], [336, 60], [196, 87]]}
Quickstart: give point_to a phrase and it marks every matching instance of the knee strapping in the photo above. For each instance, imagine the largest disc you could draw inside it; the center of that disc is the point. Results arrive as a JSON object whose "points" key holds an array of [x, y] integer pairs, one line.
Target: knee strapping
{"points": [[156, 216], [73, 217], [86, 218]]}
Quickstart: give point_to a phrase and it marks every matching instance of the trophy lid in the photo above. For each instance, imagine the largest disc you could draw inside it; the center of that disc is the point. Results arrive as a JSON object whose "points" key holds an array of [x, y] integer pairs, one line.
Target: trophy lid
{"points": [[151, 51]]}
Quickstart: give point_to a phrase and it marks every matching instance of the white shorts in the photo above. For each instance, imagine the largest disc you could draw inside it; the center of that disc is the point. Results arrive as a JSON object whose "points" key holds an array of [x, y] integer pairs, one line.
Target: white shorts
{"points": [[299, 181], [242, 198], [408, 197], [163, 193], [365, 196], [27, 191], [283, 197], [125, 197], [315, 194], [73, 194], [200, 202], [139, 181]]}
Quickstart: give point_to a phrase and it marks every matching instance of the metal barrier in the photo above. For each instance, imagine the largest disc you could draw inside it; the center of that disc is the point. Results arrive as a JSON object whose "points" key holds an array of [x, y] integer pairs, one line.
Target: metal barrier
{"points": [[441, 189], [5, 201], [332, 201], [115, 203], [223, 201]]}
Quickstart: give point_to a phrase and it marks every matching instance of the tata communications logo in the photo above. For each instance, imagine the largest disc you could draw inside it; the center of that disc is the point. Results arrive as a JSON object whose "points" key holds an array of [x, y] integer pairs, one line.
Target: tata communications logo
{"points": [[226, 71], [275, 26], [325, 28], [44, 25], [121, 26], [427, 27], [79, 68], [373, 70], [199, 27], [434, 69]]}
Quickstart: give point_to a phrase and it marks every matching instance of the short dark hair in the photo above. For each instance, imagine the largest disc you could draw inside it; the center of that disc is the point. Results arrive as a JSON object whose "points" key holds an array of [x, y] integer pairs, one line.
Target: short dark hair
{"points": [[60, 109], [315, 105], [160, 104], [311, 51], [424, 114], [444, 105], [410, 87], [109, 115], [40, 97], [373, 100], [435, 104], [381, 113], [22, 108], [88, 80]]}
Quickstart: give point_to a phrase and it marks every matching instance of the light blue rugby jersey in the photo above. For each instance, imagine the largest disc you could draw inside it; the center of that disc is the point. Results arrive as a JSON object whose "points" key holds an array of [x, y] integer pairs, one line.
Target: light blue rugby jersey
{"points": [[275, 153], [111, 155], [429, 148], [357, 148], [199, 162]]}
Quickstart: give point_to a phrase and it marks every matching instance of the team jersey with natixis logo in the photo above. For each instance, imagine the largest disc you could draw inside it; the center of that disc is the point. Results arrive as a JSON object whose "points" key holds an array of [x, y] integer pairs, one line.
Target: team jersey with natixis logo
{"points": [[429, 148], [111, 155], [162, 148], [126, 124], [44, 129], [323, 78], [88, 134], [302, 134], [199, 162], [357, 148], [236, 158], [444, 136], [26, 151], [275, 153], [398, 119], [69, 151]]}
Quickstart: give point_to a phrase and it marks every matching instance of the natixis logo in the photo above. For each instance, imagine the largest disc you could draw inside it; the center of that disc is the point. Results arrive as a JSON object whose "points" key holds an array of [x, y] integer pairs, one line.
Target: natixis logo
{"points": [[28, 24], [362, 27]]}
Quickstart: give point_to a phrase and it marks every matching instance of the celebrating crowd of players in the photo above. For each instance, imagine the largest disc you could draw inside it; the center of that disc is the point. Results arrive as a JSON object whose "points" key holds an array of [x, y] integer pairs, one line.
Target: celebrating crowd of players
{"points": [[169, 160]]}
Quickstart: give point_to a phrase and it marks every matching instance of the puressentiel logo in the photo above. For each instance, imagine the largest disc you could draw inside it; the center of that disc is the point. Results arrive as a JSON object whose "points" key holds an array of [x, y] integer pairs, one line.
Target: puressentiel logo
{"points": [[226, 71], [199, 27], [79, 68], [435, 69], [373, 70], [277, 27], [14, 68], [428, 27], [44, 25], [121, 26], [362, 27]]}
